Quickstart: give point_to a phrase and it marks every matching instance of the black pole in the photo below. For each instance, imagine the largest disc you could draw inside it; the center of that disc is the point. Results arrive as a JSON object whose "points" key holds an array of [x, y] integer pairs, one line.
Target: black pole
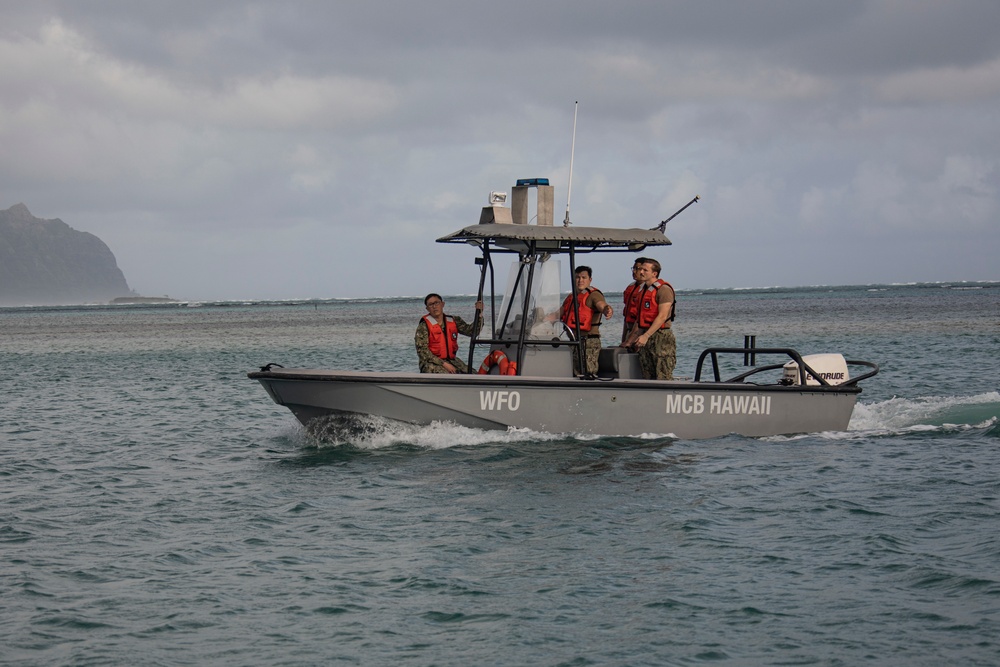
{"points": [[663, 225], [482, 261], [749, 357]]}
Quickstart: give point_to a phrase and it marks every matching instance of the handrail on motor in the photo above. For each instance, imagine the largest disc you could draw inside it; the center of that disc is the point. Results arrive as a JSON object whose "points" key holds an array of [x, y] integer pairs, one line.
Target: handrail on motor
{"points": [[714, 352], [804, 368]]}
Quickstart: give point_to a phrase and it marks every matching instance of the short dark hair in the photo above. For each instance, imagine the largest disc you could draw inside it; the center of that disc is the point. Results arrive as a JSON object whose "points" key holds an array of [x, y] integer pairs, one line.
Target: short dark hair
{"points": [[640, 260], [587, 269], [656, 265], [431, 296]]}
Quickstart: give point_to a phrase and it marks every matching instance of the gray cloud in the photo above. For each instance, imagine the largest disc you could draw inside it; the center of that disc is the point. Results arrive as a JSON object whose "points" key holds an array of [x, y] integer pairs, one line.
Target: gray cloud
{"points": [[200, 140]]}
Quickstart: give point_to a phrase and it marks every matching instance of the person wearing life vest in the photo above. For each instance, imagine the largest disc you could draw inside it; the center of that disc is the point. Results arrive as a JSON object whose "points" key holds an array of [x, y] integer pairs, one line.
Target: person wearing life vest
{"points": [[630, 297], [590, 305], [436, 338], [652, 335]]}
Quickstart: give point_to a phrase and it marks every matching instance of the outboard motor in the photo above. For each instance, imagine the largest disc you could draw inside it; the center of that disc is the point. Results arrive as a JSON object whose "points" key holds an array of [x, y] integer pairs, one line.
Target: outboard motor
{"points": [[831, 367]]}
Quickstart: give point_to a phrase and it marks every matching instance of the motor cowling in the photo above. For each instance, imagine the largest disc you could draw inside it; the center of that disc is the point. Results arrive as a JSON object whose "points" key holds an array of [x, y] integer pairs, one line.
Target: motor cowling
{"points": [[831, 367]]}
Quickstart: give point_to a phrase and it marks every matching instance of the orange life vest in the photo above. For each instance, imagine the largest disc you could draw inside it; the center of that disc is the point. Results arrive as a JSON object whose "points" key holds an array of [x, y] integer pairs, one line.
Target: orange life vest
{"points": [[586, 314], [631, 310], [648, 308], [443, 347]]}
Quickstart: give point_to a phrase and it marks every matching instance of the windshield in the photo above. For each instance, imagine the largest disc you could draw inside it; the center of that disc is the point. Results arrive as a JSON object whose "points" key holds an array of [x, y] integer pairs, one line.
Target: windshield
{"points": [[543, 301]]}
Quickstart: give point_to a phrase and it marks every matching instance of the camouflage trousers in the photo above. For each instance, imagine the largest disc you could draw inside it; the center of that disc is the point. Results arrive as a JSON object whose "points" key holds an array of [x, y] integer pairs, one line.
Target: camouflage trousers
{"points": [[456, 362], [592, 352], [658, 356]]}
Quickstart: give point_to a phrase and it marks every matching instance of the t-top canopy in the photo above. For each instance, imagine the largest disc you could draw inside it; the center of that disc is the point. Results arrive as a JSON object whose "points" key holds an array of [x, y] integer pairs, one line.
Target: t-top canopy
{"points": [[554, 238]]}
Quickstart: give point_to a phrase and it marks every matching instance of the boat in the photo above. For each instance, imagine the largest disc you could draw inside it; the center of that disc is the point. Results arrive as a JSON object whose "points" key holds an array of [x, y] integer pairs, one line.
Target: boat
{"points": [[543, 389]]}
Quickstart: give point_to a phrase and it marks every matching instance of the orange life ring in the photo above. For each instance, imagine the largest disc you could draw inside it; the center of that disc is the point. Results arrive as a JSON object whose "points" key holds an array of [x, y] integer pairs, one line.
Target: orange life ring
{"points": [[498, 358]]}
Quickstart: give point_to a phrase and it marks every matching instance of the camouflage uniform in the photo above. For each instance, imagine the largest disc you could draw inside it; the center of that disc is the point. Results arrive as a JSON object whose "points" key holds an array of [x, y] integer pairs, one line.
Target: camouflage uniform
{"points": [[658, 356], [430, 362], [592, 340], [592, 351]]}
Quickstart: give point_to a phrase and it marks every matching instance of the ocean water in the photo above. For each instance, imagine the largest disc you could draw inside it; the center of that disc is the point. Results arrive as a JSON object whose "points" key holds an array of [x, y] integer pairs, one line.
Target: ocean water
{"points": [[157, 508]]}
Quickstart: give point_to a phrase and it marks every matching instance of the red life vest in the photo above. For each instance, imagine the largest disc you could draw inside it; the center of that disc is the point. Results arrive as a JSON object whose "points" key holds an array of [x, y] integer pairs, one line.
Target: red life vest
{"points": [[586, 314], [631, 310], [444, 347], [648, 308]]}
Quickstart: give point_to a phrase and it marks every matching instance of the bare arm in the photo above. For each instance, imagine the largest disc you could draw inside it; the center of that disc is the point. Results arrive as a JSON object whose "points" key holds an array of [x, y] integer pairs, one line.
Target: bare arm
{"points": [[600, 305]]}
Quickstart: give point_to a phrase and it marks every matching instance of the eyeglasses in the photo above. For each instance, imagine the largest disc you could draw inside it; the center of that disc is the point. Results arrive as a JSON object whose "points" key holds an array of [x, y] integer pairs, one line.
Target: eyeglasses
{"points": [[433, 303]]}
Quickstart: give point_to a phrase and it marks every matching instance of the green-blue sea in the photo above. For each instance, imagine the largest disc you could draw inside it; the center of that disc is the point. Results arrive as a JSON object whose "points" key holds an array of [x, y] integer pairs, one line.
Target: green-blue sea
{"points": [[156, 507]]}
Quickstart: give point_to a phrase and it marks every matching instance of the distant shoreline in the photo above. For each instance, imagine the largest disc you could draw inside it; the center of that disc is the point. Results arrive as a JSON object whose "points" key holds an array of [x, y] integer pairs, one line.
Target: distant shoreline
{"points": [[955, 285], [142, 299]]}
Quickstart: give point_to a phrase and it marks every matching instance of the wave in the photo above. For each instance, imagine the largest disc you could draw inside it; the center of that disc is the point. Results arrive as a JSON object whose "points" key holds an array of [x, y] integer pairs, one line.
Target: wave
{"points": [[371, 432], [929, 415], [924, 415], [930, 411]]}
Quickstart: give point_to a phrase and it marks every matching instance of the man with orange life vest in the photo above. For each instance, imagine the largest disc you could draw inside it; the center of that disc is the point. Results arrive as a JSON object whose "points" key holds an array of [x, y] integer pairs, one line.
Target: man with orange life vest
{"points": [[651, 334], [630, 297], [436, 338], [590, 305]]}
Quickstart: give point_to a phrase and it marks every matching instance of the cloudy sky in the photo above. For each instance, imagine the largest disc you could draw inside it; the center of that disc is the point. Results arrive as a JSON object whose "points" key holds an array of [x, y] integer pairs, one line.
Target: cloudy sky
{"points": [[229, 150]]}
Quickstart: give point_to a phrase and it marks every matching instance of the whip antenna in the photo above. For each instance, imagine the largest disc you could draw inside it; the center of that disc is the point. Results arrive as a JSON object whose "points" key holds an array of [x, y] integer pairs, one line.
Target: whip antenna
{"points": [[663, 225], [572, 151]]}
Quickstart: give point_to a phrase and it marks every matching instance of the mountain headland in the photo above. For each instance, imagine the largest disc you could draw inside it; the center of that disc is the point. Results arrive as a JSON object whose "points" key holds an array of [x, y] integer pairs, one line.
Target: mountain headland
{"points": [[47, 262]]}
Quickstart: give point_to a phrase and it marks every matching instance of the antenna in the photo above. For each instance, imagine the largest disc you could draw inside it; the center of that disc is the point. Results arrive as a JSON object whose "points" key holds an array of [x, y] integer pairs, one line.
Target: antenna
{"points": [[572, 151], [663, 225]]}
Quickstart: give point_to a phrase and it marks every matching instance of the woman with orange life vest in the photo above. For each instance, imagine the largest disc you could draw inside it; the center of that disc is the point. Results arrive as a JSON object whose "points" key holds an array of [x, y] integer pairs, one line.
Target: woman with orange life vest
{"points": [[590, 305], [652, 334], [436, 338]]}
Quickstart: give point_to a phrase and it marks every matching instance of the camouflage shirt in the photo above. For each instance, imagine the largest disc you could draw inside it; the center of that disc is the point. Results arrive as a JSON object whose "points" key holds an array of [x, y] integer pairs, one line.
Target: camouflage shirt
{"points": [[430, 362]]}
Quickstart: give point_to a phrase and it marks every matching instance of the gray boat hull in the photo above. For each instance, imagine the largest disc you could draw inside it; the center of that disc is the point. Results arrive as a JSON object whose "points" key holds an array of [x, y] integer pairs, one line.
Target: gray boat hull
{"points": [[684, 409]]}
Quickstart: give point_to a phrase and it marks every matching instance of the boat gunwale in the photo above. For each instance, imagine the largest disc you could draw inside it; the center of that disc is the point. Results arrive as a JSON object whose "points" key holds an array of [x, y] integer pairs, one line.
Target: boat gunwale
{"points": [[409, 378]]}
